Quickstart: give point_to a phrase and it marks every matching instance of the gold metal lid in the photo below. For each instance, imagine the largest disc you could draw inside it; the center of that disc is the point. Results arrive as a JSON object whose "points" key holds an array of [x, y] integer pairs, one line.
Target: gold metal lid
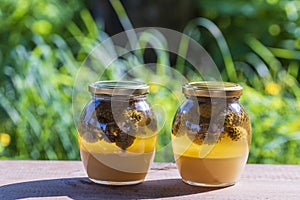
{"points": [[213, 89], [131, 88]]}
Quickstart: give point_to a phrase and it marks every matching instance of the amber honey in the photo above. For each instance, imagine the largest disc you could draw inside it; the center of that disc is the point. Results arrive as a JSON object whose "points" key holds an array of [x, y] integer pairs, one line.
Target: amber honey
{"points": [[110, 164]]}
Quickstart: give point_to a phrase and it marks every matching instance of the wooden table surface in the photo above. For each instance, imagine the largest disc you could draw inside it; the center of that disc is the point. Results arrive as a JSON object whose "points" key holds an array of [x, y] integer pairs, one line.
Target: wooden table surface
{"points": [[67, 180]]}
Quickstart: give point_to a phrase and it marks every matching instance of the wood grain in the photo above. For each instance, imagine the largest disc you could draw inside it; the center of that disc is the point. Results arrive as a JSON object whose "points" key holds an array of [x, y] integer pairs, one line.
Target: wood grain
{"points": [[67, 180]]}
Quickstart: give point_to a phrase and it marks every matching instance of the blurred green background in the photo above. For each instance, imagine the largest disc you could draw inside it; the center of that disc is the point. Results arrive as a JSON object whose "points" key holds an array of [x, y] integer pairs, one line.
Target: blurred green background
{"points": [[44, 42]]}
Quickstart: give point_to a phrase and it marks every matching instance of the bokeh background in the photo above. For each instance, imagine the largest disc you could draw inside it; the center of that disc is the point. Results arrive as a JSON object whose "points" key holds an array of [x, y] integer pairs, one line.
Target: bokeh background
{"points": [[44, 42]]}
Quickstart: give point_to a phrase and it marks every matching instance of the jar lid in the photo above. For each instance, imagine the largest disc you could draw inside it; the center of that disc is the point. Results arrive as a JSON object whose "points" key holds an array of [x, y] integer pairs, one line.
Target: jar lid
{"points": [[213, 89], [131, 88]]}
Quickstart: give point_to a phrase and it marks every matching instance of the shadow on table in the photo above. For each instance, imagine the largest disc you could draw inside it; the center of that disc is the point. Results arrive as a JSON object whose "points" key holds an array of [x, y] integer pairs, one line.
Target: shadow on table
{"points": [[83, 188]]}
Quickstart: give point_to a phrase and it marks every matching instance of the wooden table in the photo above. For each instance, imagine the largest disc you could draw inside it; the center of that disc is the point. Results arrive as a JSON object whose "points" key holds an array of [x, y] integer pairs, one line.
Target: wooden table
{"points": [[67, 180]]}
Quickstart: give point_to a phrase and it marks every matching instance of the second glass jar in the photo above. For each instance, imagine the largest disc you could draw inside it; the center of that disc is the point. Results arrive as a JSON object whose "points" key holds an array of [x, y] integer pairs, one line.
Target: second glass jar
{"points": [[211, 134]]}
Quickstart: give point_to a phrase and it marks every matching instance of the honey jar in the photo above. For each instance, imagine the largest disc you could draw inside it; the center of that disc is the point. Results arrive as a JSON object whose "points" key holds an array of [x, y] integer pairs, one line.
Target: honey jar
{"points": [[211, 134], [117, 133]]}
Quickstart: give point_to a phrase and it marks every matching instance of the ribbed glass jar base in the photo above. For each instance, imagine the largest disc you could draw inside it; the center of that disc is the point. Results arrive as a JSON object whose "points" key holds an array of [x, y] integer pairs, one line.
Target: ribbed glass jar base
{"points": [[116, 183], [208, 185]]}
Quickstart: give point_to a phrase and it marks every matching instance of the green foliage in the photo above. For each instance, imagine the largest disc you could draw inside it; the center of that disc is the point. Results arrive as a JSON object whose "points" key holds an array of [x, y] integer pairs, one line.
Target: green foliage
{"points": [[43, 43], [36, 77], [275, 127]]}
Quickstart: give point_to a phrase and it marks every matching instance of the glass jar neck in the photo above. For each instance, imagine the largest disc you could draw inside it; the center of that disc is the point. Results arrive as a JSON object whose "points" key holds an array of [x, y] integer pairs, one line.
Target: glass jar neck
{"points": [[118, 97], [212, 99]]}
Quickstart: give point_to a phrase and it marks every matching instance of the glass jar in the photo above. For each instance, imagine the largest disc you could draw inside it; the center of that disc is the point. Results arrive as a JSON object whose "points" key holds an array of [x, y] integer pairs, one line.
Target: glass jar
{"points": [[117, 133], [211, 134]]}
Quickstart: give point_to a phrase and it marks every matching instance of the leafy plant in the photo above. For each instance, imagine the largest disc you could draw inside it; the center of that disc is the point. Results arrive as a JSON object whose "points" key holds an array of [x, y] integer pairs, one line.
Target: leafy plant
{"points": [[36, 80]]}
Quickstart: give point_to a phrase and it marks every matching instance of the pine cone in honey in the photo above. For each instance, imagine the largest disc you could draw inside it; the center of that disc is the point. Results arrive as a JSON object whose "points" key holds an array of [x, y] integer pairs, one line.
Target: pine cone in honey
{"points": [[115, 122], [123, 140], [237, 125]]}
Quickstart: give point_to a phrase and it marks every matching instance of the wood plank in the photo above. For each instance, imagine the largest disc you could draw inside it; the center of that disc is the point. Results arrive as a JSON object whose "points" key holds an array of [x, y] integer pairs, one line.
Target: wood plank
{"points": [[67, 180]]}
